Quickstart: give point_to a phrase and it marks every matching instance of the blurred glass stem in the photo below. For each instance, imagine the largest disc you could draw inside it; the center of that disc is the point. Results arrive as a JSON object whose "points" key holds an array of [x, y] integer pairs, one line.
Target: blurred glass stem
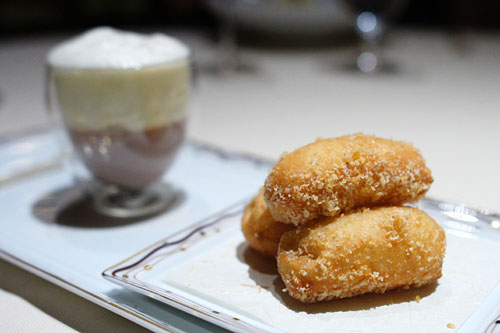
{"points": [[227, 50]]}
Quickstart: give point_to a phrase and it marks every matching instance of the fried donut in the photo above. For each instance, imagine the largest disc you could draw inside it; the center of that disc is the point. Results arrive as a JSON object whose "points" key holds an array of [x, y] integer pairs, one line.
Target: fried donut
{"points": [[332, 176], [262, 232], [370, 250]]}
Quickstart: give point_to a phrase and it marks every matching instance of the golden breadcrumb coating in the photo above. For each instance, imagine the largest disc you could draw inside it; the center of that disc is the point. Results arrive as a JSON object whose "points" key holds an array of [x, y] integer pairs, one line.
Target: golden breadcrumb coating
{"points": [[370, 250], [331, 176], [262, 232]]}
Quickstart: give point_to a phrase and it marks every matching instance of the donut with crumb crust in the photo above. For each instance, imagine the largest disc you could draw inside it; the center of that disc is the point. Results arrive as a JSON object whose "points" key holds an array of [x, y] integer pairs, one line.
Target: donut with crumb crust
{"points": [[261, 231], [370, 250], [332, 176]]}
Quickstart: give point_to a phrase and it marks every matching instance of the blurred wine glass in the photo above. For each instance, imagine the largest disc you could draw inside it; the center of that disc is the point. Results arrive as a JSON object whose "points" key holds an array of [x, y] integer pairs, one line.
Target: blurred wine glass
{"points": [[370, 22], [227, 59], [272, 22]]}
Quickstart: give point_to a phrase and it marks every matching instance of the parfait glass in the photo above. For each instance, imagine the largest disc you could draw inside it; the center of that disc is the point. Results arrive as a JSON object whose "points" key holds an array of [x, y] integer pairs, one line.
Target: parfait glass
{"points": [[124, 120]]}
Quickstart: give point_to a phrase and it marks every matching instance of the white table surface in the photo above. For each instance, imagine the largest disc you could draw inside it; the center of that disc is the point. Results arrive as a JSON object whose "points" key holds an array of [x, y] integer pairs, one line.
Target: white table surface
{"points": [[445, 98]]}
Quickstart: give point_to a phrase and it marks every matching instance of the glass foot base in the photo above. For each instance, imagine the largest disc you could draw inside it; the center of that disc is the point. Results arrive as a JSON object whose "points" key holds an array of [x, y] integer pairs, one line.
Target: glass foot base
{"points": [[125, 203]]}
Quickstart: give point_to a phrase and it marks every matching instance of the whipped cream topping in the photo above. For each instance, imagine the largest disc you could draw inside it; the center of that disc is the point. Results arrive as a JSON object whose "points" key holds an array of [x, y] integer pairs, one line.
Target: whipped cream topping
{"points": [[129, 99], [108, 48]]}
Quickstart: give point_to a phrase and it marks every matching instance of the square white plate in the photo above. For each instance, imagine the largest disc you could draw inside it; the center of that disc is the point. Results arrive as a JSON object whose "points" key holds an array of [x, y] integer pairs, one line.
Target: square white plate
{"points": [[208, 271], [36, 185]]}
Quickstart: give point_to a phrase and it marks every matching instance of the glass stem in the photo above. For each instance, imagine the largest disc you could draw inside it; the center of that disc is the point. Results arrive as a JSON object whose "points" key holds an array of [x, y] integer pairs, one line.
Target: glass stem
{"points": [[227, 53]]}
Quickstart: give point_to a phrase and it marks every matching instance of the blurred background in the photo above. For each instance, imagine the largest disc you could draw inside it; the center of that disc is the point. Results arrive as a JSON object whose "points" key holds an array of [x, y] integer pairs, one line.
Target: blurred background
{"points": [[271, 75], [39, 16]]}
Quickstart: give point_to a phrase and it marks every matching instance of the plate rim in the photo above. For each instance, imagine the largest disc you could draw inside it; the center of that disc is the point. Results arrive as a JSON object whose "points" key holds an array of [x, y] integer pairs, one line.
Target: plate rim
{"points": [[123, 310], [236, 325]]}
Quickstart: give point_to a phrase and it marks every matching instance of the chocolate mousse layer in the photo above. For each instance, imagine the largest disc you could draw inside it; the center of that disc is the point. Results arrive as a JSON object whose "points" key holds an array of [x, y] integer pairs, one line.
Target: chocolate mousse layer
{"points": [[126, 158]]}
